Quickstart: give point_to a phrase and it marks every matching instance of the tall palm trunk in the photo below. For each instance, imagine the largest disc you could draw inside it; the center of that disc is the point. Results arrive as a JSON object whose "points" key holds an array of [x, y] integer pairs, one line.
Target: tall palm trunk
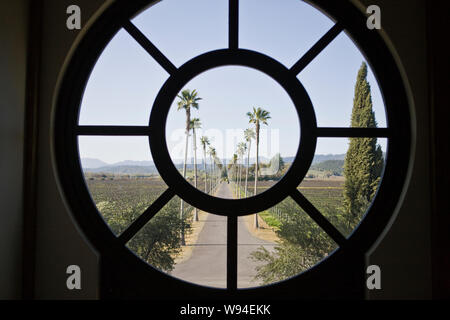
{"points": [[256, 168], [188, 121], [211, 175], [248, 164], [236, 166], [235, 177], [194, 145], [240, 176], [204, 168], [217, 175]]}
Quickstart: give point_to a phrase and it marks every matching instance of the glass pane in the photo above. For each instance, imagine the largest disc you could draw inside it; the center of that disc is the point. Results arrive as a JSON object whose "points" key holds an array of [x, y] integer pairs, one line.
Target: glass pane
{"points": [[222, 144], [286, 243], [344, 178], [122, 187], [331, 80], [250, 240], [202, 257], [122, 86], [184, 29], [284, 32], [159, 241]]}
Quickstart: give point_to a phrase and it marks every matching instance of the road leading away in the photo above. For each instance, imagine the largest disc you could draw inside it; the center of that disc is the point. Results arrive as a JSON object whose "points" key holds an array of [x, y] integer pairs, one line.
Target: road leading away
{"points": [[207, 264]]}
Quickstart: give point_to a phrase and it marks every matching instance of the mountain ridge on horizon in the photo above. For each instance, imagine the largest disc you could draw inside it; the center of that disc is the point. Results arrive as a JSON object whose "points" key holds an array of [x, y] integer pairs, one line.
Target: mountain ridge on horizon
{"points": [[147, 166]]}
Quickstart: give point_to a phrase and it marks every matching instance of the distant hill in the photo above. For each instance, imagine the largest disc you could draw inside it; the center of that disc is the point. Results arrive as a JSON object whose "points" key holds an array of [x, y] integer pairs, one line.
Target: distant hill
{"points": [[132, 170], [134, 163], [288, 159], [326, 157], [148, 167], [335, 167], [127, 167], [319, 158], [92, 163]]}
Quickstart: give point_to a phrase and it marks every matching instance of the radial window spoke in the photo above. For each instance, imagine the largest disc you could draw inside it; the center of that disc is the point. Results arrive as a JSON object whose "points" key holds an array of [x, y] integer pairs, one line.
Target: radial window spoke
{"points": [[353, 132], [317, 48], [312, 211], [113, 130], [150, 47], [140, 222], [233, 24], [232, 243]]}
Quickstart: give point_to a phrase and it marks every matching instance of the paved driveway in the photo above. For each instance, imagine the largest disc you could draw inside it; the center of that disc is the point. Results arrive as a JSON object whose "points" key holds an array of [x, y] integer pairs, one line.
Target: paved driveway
{"points": [[207, 264]]}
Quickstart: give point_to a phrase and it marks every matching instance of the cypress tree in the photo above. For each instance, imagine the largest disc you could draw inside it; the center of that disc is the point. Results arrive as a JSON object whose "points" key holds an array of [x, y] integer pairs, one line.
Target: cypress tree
{"points": [[364, 159]]}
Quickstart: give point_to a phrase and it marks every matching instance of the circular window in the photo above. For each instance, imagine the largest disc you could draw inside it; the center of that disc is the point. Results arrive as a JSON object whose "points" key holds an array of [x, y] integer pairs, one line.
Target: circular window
{"points": [[226, 126], [216, 210]]}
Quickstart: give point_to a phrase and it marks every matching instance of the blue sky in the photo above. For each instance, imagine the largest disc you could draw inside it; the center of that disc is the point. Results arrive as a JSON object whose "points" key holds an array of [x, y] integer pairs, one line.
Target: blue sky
{"points": [[126, 79]]}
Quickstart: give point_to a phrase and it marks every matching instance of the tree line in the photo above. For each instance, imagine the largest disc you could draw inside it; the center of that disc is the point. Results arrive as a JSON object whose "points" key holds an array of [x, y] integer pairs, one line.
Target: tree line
{"points": [[303, 243], [189, 100]]}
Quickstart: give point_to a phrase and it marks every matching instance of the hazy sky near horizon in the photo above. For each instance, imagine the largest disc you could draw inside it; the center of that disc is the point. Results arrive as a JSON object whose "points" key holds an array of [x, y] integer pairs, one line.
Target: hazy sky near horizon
{"points": [[126, 80]]}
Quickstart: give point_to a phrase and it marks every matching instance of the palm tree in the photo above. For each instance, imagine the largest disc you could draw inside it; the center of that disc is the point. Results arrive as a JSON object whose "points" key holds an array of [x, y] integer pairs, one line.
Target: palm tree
{"points": [[230, 170], [249, 134], [212, 155], [257, 117], [205, 142], [219, 169], [195, 124], [233, 164], [242, 147], [188, 100], [237, 173]]}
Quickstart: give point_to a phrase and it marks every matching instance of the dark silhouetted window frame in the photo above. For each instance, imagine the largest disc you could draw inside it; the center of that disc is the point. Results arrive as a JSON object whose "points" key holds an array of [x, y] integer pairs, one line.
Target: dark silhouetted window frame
{"points": [[125, 275]]}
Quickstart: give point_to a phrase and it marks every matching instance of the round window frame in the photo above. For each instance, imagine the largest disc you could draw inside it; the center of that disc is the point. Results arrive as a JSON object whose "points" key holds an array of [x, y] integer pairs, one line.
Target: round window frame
{"points": [[84, 55], [305, 150]]}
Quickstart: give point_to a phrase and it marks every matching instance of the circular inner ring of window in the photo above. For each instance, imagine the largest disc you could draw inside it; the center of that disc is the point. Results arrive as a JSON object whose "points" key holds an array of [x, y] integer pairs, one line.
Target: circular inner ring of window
{"points": [[194, 117]]}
